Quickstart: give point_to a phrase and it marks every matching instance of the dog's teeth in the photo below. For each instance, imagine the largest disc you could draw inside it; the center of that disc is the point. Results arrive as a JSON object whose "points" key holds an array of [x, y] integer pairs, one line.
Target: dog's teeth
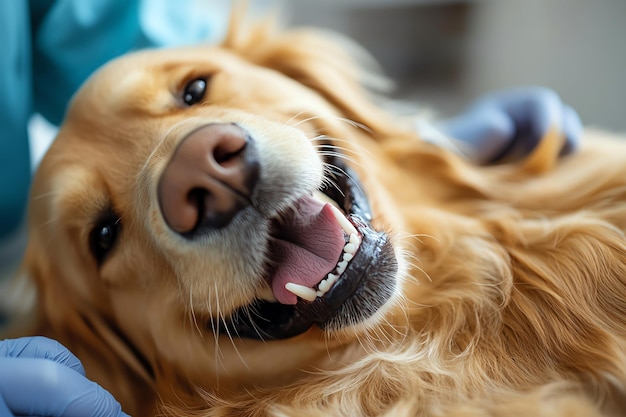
{"points": [[301, 291], [323, 286], [324, 198], [341, 267], [310, 294], [326, 284], [331, 279], [344, 222]]}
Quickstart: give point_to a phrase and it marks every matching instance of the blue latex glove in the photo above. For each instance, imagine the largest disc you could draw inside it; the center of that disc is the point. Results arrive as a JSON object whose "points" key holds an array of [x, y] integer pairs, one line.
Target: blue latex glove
{"points": [[40, 377], [509, 124]]}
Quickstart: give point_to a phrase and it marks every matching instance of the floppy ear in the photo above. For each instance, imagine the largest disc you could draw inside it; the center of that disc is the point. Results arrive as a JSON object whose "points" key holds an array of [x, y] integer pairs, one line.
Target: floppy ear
{"points": [[328, 63], [78, 324]]}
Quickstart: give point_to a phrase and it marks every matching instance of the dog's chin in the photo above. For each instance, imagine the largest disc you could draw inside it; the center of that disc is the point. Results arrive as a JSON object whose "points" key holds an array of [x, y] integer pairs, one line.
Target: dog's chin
{"points": [[347, 296]]}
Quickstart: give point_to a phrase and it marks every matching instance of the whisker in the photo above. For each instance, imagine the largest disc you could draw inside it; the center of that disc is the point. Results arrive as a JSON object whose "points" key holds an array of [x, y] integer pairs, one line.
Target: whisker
{"points": [[332, 141], [190, 122], [193, 314], [340, 156], [341, 171], [354, 147], [350, 122], [328, 181], [232, 340], [326, 345], [216, 334], [356, 124], [249, 315], [230, 336], [50, 221], [44, 195], [288, 122]]}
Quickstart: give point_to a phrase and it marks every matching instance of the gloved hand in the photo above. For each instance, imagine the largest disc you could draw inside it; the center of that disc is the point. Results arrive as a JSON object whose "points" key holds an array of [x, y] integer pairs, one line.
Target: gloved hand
{"points": [[509, 124], [40, 377]]}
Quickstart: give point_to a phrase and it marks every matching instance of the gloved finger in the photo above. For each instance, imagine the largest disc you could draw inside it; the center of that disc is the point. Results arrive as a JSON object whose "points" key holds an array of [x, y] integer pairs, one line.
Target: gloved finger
{"points": [[535, 111], [572, 129], [42, 348], [41, 387], [484, 133], [4, 410]]}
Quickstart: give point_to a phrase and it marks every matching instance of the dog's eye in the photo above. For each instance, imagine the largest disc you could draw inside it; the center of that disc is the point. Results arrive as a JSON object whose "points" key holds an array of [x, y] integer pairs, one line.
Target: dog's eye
{"points": [[194, 91], [103, 237]]}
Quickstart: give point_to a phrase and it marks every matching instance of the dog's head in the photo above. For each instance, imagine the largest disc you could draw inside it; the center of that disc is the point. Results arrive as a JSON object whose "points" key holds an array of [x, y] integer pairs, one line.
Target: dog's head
{"points": [[198, 195]]}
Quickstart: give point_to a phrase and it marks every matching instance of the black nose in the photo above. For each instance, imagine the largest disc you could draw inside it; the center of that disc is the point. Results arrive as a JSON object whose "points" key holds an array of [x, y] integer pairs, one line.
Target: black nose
{"points": [[209, 179]]}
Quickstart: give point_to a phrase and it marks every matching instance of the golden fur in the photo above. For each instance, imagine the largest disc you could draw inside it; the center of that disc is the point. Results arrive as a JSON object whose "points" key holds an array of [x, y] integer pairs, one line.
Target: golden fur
{"points": [[513, 277]]}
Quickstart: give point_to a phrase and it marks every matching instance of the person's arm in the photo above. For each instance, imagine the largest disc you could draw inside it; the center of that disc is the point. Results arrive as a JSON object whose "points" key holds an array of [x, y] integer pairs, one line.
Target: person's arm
{"points": [[40, 377]]}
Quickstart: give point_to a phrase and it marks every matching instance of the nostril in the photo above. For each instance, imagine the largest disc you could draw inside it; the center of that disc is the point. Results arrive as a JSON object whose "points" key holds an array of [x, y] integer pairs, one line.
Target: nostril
{"points": [[196, 198], [227, 152], [213, 211]]}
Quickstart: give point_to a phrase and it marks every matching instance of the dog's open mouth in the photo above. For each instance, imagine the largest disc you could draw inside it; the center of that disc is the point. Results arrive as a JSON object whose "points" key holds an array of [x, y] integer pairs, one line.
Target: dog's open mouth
{"points": [[328, 268]]}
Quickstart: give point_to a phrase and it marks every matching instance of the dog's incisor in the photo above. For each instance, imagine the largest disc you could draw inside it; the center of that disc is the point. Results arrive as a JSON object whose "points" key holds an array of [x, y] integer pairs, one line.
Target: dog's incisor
{"points": [[238, 231]]}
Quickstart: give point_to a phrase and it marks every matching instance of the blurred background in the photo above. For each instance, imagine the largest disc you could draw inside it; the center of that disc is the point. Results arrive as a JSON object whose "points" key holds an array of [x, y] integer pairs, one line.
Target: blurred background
{"points": [[444, 53]]}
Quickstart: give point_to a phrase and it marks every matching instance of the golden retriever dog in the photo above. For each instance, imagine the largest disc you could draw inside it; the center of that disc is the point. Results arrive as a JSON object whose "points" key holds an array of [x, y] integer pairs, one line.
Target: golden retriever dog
{"points": [[238, 230]]}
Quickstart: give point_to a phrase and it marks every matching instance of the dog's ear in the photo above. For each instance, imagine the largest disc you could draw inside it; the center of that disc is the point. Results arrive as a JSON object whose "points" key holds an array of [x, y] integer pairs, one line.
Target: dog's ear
{"points": [[335, 67], [82, 326], [18, 306]]}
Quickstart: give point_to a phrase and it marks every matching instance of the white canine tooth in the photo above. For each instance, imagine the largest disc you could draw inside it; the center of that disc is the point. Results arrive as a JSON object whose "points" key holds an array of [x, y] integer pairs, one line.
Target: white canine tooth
{"points": [[324, 198], [354, 239], [341, 266], [343, 221], [350, 248], [347, 257], [301, 291], [320, 293]]}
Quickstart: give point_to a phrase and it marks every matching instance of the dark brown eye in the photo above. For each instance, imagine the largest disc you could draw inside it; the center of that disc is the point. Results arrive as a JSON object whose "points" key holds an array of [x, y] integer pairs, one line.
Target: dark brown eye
{"points": [[194, 91], [103, 237]]}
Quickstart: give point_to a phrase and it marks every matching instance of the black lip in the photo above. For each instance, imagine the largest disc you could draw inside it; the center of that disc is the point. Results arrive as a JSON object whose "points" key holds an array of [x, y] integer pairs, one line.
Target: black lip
{"points": [[370, 272]]}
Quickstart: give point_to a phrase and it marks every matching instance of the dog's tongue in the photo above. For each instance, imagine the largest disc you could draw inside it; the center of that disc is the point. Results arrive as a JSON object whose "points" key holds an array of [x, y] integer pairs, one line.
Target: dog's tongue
{"points": [[306, 247]]}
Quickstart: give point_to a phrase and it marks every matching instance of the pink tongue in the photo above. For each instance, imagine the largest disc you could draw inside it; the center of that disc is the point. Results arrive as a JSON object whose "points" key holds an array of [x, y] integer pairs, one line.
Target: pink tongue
{"points": [[306, 248]]}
